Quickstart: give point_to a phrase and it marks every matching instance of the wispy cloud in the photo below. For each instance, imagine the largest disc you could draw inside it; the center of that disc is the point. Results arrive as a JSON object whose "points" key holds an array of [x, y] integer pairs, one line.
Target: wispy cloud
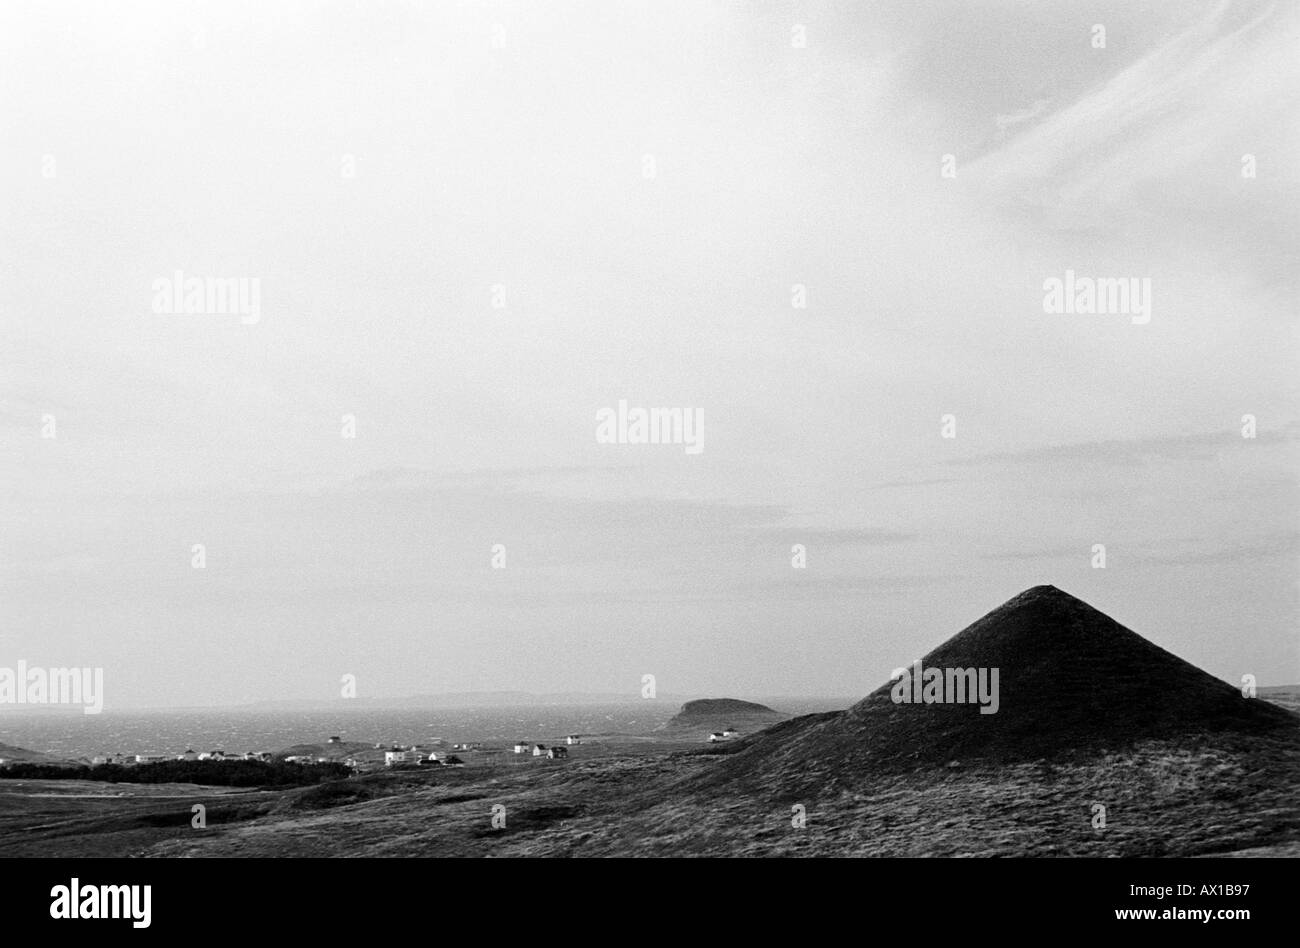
{"points": [[1061, 552], [1012, 119], [916, 482], [835, 537], [1279, 544], [1129, 452], [1162, 114]]}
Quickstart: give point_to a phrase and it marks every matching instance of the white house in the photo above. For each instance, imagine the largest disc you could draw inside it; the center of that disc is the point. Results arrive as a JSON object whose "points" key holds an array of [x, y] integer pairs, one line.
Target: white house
{"points": [[731, 732], [522, 747], [539, 750], [716, 736], [392, 758], [557, 752], [188, 755], [573, 739], [150, 758]]}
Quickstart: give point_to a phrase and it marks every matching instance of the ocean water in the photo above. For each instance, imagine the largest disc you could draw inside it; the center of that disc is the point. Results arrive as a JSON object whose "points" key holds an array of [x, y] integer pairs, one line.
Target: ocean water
{"points": [[71, 734]]}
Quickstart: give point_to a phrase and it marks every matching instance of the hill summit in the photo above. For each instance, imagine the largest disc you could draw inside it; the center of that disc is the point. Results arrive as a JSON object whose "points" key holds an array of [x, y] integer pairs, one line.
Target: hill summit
{"points": [[1068, 678]]}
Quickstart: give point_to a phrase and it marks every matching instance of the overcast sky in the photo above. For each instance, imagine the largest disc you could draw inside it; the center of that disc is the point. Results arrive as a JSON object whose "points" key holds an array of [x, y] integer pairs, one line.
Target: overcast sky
{"points": [[644, 184]]}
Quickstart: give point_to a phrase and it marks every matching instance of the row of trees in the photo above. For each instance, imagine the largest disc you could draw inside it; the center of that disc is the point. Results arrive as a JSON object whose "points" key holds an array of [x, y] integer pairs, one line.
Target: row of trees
{"points": [[229, 773]]}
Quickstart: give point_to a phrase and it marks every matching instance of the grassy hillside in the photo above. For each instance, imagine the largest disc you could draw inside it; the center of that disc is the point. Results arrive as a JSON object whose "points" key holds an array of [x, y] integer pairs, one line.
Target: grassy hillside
{"points": [[1103, 745]]}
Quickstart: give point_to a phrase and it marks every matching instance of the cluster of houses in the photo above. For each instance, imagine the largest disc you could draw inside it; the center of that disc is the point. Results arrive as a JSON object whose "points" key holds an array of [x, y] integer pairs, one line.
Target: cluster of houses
{"points": [[541, 750], [414, 756], [395, 755], [188, 755], [725, 735], [432, 754]]}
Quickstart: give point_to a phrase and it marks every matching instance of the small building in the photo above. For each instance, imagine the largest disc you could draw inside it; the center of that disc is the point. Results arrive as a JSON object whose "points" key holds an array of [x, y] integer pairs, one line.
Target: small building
{"points": [[188, 755], [523, 747], [715, 737], [335, 739], [150, 758], [557, 752], [573, 739], [452, 761], [539, 750], [730, 732], [395, 757], [433, 757]]}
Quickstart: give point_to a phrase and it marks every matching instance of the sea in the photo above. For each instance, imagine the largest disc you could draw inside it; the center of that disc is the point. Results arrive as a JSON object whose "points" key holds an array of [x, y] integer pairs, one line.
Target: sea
{"points": [[70, 734]]}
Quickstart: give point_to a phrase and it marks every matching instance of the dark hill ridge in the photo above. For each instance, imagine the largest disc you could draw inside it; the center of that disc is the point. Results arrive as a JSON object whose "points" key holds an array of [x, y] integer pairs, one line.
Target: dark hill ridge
{"points": [[1070, 679]]}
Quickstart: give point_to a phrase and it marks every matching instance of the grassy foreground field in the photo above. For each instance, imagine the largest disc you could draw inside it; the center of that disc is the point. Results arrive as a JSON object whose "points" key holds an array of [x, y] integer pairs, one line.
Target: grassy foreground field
{"points": [[1104, 745], [646, 799]]}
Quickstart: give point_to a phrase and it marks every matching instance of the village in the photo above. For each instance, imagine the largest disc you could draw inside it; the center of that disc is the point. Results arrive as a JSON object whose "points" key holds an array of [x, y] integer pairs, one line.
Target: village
{"points": [[359, 758], [363, 757]]}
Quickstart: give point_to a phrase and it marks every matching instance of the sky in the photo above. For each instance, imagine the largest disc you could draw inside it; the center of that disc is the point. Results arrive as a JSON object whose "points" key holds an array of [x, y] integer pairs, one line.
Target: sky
{"points": [[820, 228]]}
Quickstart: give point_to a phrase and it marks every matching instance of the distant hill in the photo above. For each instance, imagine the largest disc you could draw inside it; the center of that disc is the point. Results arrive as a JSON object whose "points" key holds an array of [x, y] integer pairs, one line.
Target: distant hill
{"points": [[1288, 696], [1071, 679], [698, 719], [712, 707], [11, 754], [332, 751]]}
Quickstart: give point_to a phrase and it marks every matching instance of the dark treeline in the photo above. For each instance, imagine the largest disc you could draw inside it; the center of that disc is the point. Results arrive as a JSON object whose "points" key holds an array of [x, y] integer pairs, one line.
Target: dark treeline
{"points": [[217, 773]]}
